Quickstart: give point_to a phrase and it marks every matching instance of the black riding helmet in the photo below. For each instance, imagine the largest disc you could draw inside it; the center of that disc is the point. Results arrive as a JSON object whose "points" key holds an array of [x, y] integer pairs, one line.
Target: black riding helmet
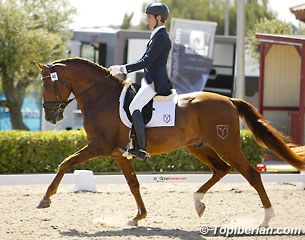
{"points": [[157, 9]]}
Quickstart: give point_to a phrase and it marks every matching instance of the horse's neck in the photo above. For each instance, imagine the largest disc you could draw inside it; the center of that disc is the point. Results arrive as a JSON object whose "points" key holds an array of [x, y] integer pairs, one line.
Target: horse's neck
{"points": [[90, 91]]}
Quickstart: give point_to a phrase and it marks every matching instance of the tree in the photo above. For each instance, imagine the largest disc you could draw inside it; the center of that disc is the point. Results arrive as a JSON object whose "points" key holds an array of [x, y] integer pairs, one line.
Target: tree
{"points": [[29, 30], [264, 25], [126, 24]]}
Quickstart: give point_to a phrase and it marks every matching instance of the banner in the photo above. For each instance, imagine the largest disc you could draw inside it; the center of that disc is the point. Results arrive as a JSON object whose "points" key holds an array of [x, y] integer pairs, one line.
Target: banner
{"points": [[191, 57]]}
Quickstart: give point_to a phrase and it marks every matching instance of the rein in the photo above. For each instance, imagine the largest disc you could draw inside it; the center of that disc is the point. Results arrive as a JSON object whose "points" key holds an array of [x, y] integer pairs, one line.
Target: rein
{"points": [[60, 103]]}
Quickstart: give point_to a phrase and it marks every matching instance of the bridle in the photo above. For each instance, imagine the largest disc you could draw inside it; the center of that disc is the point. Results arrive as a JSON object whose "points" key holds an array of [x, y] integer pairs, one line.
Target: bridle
{"points": [[59, 105]]}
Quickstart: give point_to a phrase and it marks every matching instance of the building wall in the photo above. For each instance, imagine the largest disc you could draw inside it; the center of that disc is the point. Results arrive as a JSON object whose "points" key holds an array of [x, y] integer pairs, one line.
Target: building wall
{"points": [[281, 84], [282, 76]]}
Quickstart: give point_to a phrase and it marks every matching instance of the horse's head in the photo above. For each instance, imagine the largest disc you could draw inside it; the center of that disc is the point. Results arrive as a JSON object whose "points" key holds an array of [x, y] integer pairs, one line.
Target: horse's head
{"points": [[55, 91]]}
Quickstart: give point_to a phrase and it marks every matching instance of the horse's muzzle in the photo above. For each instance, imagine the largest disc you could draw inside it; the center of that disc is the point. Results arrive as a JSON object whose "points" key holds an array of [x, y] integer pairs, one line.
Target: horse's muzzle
{"points": [[52, 117]]}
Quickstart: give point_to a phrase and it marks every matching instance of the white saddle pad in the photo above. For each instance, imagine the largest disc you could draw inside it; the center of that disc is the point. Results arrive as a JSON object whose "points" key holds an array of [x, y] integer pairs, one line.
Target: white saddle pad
{"points": [[163, 114]]}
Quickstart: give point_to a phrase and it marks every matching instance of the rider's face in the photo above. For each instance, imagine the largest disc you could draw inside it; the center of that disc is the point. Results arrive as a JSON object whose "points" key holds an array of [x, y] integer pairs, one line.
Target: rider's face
{"points": [[151, 21]]}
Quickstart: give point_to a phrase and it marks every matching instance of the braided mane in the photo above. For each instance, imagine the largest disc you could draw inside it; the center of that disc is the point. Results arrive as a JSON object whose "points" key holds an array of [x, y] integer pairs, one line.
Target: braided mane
{"points": [[82, 60]]}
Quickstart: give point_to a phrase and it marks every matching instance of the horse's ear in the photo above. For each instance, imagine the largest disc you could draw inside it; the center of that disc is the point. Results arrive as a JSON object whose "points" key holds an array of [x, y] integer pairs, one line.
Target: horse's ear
{"points": [[41, 66]]}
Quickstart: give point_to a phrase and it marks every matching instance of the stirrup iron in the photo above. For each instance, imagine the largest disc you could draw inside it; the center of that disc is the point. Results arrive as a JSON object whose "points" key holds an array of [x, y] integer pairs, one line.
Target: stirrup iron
{"points": [[125, 152], [137, 152]]}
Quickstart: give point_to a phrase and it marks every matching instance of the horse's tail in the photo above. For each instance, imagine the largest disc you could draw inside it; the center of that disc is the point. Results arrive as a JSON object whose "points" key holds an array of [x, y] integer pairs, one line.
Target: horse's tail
{"points": [[267, 136]]}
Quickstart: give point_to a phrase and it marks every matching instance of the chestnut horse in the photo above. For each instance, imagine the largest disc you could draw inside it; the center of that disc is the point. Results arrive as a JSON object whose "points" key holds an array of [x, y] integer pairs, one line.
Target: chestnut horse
{"points": [[206, 123]]}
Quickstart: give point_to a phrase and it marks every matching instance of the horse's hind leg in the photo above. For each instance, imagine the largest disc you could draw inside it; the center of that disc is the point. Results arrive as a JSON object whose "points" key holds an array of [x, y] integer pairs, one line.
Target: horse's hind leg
{"points": [[207, 156], [133, 183], [243, 166], [80, 156]]}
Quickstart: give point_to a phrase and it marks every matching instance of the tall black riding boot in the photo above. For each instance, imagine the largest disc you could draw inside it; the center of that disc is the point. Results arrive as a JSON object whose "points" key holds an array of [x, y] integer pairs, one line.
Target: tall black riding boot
{"points": [[139, 146], [139, 127]]}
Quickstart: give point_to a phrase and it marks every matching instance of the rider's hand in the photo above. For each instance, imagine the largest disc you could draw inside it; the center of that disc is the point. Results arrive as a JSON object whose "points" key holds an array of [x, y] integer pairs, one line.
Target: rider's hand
{"points": [[117, 69]]}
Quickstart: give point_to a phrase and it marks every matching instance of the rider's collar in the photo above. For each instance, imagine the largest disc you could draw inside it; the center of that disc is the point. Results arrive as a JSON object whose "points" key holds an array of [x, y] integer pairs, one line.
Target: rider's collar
{"points": [[156, 30]]}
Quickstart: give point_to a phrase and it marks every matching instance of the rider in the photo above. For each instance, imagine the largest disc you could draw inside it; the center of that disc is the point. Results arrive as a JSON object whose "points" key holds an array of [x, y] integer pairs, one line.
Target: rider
{"points": [[156, 80]]}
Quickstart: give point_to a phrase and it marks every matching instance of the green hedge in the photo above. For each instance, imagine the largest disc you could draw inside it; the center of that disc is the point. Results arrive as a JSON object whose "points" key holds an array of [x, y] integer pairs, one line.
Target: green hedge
{"points": [[41, 152]]}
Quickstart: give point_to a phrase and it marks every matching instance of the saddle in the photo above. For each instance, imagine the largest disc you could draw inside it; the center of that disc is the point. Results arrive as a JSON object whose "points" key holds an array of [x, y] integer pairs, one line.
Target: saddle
{"points": [[130, 94]]}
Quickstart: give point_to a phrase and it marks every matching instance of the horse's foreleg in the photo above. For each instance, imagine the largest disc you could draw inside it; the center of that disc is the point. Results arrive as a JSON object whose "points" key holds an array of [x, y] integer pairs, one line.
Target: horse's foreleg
{"points": [[133, 183], [207, 156], [80, 156]]}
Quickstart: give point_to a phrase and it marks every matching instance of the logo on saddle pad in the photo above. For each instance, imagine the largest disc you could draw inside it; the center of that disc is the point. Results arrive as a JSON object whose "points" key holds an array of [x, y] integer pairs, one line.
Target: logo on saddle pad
{"points": [[158, 113], [166, 118], [222, 131]]}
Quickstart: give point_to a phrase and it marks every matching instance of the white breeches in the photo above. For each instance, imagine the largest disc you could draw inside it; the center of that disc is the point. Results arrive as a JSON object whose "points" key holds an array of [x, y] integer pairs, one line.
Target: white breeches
{"points": [[143, 96]]}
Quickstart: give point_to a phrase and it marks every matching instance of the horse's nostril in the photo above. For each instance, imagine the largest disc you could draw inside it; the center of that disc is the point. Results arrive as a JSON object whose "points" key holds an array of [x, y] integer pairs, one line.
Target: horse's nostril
{"points": [[50, 119]]}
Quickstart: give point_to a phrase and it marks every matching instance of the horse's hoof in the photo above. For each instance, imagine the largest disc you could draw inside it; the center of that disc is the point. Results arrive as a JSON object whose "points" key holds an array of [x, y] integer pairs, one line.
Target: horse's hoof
{"points": [[269, 213], [200, 207], [133, 223], [264, 225], [44, 203]]}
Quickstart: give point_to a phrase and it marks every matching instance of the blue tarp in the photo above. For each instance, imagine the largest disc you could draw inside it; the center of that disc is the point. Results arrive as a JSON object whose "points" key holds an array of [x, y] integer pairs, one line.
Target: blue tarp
{"points": [[31, 113]]}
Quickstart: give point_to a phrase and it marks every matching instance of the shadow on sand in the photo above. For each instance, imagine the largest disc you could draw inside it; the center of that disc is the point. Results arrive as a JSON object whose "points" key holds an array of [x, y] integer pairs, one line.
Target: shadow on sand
{"points": [[175, 233], [138, 232]]}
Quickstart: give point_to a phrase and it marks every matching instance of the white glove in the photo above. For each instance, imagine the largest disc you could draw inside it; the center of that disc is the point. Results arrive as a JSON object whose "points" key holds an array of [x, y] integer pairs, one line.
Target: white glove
{"points": [[117, 69]]}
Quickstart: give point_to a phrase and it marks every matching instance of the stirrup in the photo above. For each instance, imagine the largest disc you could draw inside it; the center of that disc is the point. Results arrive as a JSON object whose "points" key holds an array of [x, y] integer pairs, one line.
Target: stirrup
{"points": [[125, 153], [129, 153]]}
